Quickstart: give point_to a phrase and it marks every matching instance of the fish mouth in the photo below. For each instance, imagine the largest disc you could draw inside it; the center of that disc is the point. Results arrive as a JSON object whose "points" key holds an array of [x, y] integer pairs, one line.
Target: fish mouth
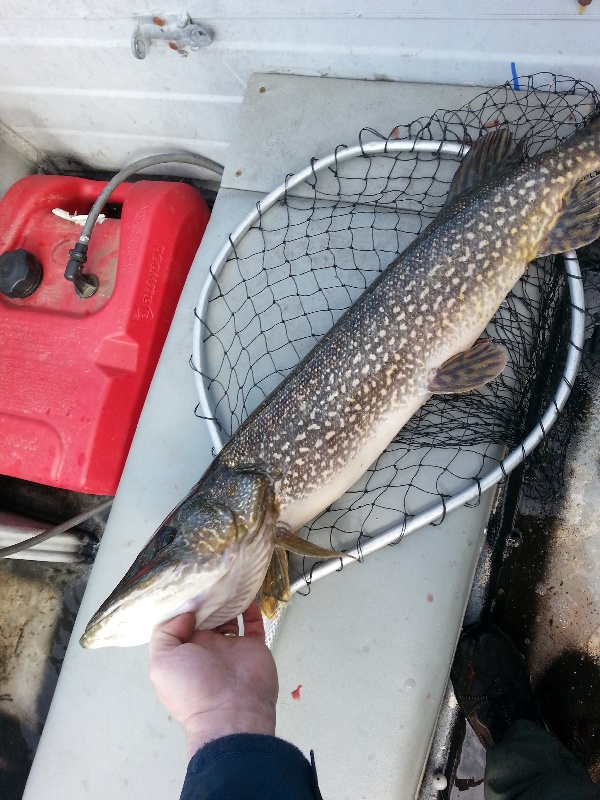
{"points": [[123, 617], [168, 577], [90, 638]]}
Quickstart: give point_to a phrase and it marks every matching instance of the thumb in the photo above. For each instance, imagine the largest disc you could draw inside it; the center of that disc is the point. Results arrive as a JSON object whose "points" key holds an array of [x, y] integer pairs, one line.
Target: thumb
{"points": [[172, 634]]}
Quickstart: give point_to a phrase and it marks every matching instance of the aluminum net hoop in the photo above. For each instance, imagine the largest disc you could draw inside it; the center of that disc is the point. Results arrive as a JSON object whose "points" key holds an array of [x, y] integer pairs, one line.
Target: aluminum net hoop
{"points": [[340, 156], [484, 482]]}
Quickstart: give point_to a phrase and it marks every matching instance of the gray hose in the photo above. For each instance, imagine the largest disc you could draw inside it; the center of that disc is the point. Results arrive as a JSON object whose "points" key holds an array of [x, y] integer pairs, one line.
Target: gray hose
{"points": [[86, 285], [64, 526], [127, 172]]}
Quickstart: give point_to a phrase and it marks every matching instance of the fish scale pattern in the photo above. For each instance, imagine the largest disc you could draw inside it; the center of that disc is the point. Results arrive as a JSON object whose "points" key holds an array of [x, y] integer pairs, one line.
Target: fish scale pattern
{"points": [[313, 254]]}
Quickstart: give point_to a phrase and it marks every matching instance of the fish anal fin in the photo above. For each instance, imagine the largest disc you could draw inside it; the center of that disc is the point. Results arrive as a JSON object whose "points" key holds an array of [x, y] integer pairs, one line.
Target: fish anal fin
{"points": [[275, 589], [471, 369], [579, 222], [488, 155], [302, 547]]}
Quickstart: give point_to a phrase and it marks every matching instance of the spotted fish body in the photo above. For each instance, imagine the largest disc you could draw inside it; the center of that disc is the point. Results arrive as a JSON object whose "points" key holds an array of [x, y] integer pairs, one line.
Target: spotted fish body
{"points": [[351, 395], [412, 333]]}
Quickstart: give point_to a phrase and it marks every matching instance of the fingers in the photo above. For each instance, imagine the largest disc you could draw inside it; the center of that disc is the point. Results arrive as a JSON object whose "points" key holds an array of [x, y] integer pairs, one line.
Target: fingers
{"points": [[253, 622], [230, 627], [181, 629], [172, 633]]}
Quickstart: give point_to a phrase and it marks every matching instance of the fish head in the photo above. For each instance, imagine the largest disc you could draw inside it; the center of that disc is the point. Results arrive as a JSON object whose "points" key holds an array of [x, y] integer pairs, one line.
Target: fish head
{"points": [[197, 561]]}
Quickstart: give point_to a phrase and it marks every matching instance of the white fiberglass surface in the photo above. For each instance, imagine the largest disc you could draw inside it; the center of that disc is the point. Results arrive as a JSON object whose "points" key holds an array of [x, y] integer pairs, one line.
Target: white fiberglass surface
{"points": [[371, 647]]}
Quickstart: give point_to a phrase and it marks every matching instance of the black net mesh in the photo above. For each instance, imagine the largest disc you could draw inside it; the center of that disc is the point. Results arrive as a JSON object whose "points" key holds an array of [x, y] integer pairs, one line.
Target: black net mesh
{"points": [[544, 475], [312, 254]]}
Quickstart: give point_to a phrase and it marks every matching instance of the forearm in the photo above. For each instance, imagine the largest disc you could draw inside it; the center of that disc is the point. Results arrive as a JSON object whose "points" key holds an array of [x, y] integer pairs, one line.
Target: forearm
{"points": [[250, 767]]}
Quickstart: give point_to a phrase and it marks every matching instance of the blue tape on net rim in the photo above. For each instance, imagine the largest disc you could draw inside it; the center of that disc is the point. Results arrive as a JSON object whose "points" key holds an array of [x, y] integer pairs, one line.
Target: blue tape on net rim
{"points": [[515, 77]]}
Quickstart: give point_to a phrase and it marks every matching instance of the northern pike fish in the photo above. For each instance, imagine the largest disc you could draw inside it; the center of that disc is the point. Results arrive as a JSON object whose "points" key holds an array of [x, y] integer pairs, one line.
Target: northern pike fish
{"points": [[414, 332]]}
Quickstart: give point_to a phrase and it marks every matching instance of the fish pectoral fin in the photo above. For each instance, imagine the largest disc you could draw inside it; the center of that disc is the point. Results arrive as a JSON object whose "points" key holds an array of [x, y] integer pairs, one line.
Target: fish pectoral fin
{"points": [[579, 223], [471, 369], [275, 589], [491, 153], [289, 541]]}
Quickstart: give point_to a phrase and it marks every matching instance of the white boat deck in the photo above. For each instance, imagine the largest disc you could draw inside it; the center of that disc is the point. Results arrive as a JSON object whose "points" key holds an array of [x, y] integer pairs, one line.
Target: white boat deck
{"points": [[371, 646]]}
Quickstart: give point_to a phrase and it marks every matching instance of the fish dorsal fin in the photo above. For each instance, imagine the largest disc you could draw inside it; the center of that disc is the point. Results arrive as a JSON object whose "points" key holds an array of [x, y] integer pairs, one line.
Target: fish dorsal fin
{"points": [[488, 155], [471, 369], [579, 222], [275, 589]]}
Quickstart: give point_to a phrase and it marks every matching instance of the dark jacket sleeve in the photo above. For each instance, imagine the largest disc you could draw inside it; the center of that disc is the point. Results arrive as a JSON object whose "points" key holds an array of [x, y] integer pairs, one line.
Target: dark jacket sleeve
{"points": [[249, 766]]}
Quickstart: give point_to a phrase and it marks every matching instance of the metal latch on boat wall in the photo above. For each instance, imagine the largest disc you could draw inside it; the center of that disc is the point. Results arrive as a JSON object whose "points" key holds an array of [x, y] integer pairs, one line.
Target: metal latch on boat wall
{"points": [[177, 31]]}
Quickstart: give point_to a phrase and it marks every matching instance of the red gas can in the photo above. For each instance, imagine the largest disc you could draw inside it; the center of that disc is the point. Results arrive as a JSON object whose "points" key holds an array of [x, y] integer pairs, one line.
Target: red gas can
{"points": [[74, 372]]}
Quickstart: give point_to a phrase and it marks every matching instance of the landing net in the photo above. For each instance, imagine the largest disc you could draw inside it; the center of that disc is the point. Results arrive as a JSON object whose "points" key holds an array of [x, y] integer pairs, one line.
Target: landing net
{"points": [[312, 247]]}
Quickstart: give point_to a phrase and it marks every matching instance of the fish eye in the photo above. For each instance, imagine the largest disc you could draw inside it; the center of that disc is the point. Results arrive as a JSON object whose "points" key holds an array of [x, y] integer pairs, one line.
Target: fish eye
{"points": [[166, 536]]}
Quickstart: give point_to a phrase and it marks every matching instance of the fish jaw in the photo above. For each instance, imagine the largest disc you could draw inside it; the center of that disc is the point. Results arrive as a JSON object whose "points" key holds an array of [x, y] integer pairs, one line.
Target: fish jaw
{"points": [[208, 557], [176, 589]]}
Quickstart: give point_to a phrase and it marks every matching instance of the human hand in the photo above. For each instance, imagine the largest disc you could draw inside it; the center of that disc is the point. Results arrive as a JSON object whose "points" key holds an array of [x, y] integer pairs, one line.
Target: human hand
{"points": [[215, 685]]}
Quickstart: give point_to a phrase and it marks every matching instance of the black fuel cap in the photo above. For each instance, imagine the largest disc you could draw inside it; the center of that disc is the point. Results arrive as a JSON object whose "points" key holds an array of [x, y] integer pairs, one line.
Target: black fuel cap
{"points": [[20, 273]]}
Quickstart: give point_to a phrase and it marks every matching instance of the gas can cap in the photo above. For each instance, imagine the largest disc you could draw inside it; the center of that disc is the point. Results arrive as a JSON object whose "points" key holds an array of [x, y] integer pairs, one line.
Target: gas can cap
{"points": [[20, 273]]}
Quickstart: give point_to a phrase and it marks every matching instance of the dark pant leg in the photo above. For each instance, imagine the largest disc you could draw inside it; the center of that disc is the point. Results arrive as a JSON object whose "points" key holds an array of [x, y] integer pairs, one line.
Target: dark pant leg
{"points": [[531, 764]]}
